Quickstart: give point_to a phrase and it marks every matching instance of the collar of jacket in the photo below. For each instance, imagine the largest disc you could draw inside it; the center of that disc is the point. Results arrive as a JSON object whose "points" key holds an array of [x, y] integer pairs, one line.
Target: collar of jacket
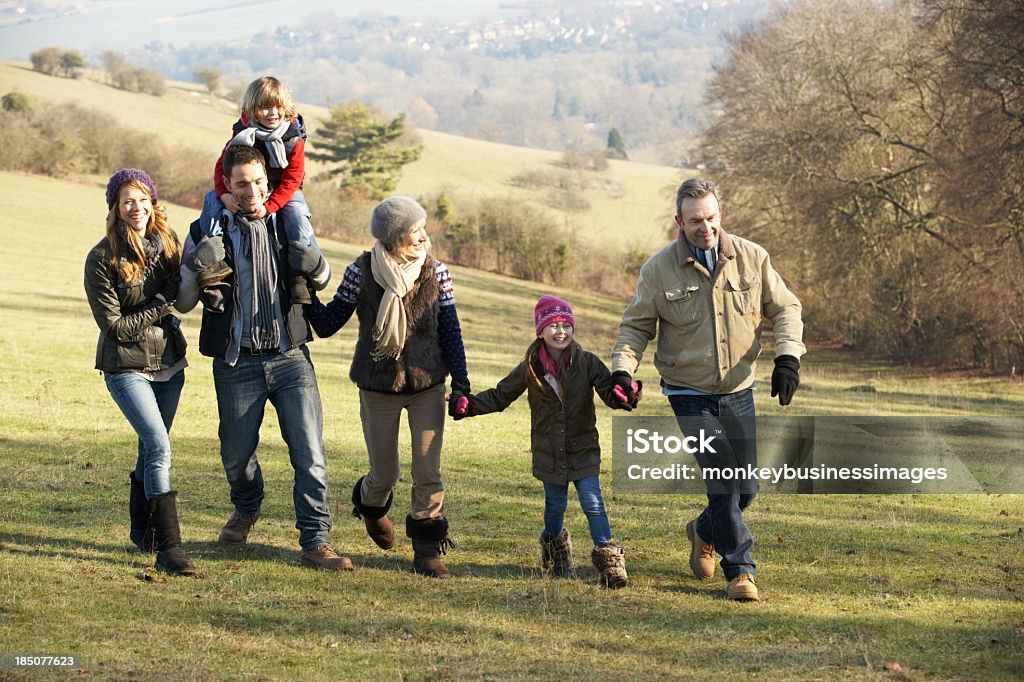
{"points": [[726, 251]]}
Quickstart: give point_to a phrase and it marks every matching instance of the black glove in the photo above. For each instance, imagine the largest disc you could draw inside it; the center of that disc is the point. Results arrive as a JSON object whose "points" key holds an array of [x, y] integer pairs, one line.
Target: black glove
{"points": [[208, 251], [461, 384], [305, 259], [785, 378], [625, 381]]}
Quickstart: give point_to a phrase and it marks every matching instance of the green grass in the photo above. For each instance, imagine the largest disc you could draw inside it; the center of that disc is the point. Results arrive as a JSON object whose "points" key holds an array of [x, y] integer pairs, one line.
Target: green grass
{"points": [[849, 584], [468, 169]]}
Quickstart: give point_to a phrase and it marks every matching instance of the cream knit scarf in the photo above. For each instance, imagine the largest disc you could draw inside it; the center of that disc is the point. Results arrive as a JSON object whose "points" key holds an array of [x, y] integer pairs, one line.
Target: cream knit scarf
{"points": [[397, 278]]}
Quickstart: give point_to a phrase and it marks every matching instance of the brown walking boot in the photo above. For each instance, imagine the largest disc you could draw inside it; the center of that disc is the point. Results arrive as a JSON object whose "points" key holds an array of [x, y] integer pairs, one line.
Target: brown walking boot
{"points": [[702, 554], [556, 555], [610, 561], [325, 558], [378, 526], [742, 588], [236, 530], [429, 541]]}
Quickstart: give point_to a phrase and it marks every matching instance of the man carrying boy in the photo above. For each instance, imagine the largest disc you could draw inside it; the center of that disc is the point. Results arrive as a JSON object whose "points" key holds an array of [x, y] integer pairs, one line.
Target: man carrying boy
{"points": [[257, 338], [706, 296]]}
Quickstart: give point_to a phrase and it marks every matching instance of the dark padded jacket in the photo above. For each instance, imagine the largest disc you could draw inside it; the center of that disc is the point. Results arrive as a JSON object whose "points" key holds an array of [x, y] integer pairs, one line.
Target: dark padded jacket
{"points": [[563, 432], [138, 333]]}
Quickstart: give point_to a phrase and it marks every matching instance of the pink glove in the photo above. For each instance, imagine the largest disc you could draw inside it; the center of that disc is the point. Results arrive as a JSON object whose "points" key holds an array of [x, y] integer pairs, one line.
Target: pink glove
{"points": [[621, 395]]}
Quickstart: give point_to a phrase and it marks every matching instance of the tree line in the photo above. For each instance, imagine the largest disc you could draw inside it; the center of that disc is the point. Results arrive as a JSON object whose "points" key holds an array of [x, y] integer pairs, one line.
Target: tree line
{"points": [[876, 149]]}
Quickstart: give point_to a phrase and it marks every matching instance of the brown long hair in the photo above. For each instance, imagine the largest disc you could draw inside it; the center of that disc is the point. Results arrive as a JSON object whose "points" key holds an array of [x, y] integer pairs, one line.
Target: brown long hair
{"points": [[126, 256]]}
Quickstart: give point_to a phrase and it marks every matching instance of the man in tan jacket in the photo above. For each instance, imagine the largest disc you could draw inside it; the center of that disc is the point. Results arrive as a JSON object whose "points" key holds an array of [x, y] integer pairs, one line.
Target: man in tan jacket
{"points": [[706, 296]]}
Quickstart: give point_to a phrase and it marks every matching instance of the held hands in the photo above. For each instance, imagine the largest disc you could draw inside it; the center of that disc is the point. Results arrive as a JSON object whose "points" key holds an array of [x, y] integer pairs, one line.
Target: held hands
{"points": [[458, 401], [304, 258], [208, 251], [626, 389], [785, 378], [637, 388]]}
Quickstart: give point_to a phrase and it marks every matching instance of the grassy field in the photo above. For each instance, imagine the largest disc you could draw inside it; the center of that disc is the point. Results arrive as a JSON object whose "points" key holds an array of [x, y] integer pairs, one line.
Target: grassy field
{"points": [[628, 205], [855, 587]]}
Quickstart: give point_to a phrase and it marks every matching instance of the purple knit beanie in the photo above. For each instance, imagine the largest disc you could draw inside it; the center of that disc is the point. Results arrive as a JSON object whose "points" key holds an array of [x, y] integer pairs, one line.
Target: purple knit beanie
{"points": [[551, 309], [124, 176]]}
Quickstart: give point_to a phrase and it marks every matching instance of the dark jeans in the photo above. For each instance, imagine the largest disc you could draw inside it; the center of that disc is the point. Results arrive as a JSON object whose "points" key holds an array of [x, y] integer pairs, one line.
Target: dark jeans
{"points": [[721, 522], [288, 382]]}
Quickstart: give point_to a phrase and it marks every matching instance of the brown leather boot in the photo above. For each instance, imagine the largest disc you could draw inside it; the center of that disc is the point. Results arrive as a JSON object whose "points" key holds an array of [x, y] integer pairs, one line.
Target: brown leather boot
{"points": [[325, 558], [742, 588], [378, 526], [429, 541], [556, 555], [236, 530], [702, 554], [610, 561]]}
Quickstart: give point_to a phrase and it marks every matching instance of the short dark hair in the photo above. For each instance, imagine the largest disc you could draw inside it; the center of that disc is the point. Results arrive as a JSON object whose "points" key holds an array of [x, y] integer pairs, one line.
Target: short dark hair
{"points": [[696, 188], [240, 155]]}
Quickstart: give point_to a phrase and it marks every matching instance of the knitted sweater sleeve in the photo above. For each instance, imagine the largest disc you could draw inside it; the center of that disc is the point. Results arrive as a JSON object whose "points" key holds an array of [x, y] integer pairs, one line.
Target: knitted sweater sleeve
{"points": [[449, 331], [328, 319]]}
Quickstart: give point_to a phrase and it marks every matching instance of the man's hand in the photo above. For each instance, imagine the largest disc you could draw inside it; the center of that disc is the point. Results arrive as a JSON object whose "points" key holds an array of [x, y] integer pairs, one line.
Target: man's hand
{"points": [[208, 251], [229, 202], [304, 258], [259, 212], [785, 378], [625, 388]]}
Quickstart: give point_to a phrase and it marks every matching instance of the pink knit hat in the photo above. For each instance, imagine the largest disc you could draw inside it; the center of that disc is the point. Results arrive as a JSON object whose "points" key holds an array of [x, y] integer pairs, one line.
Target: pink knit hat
{"points": [[551, 309]]}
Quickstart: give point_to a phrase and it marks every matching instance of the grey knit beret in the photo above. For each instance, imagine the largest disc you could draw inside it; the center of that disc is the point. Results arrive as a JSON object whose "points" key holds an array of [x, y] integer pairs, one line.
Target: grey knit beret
{"points": [[395, 216]]}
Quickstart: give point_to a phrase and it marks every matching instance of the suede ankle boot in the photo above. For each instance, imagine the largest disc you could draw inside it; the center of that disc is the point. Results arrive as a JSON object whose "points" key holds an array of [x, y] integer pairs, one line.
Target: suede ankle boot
{"points": [[141, 534], [429, 541]]}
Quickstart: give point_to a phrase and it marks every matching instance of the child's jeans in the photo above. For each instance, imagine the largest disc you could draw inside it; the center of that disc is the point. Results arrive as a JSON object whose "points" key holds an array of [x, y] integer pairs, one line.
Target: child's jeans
{"points": [[294, 216], [556, 497]]}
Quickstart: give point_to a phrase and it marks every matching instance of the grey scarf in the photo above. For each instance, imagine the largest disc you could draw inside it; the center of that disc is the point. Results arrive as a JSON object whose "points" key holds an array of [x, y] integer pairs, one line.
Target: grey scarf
{"points": [[272, 138], [256, 245]]}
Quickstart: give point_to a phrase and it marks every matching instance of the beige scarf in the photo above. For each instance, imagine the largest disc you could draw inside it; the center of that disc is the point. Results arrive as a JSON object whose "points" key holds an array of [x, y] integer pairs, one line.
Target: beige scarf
{"points": [[397, 278]]}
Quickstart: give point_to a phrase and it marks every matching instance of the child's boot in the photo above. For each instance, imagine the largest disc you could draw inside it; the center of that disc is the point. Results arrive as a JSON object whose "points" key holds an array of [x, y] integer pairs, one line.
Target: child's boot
{"points": [[610, 561], [556, 555], [217, 272]]}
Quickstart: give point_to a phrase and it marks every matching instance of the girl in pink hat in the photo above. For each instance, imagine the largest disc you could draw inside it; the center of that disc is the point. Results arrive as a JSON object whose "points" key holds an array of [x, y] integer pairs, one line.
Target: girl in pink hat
{"points": [[559, 379]]}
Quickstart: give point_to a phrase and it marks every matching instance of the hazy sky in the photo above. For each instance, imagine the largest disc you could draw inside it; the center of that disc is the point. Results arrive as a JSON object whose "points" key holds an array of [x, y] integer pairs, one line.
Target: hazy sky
{"points": [[112, 25]]}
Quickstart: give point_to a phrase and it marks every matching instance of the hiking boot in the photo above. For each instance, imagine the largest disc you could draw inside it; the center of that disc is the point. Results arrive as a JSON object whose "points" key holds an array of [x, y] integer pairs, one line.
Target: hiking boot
{"points": [[236, 530], [702, 554], [170, 558], [140, 533], [556, 555], [429, 541], [742, 588], [378, 526], [217, 272], [325, 558], [610, 561]]}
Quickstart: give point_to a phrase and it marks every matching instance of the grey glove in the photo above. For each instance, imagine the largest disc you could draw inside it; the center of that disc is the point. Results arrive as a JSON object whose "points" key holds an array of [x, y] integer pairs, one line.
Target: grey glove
{"points": [[305, 259], [208, 251]]}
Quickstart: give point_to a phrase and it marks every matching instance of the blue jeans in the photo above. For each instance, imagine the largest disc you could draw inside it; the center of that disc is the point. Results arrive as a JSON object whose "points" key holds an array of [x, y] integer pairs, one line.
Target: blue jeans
{"points": [[556, 497], [721, 522], [294, 216], [150, 407], [287, 380]]}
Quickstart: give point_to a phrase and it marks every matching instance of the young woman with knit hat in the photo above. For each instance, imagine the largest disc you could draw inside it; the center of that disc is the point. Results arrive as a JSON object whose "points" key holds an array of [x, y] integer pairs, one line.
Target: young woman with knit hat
{"points": [[409, 342], [131, 281], [560, 378]]}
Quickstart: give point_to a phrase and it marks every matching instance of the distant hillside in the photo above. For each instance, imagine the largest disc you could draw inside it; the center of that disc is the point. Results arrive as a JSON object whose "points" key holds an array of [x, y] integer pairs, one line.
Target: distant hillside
{"points": [[626, 205]]}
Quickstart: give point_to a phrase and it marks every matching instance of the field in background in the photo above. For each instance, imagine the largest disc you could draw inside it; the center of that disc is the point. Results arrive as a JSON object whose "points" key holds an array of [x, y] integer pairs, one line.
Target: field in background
{"points": [[858, 587], [468, 169]]}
